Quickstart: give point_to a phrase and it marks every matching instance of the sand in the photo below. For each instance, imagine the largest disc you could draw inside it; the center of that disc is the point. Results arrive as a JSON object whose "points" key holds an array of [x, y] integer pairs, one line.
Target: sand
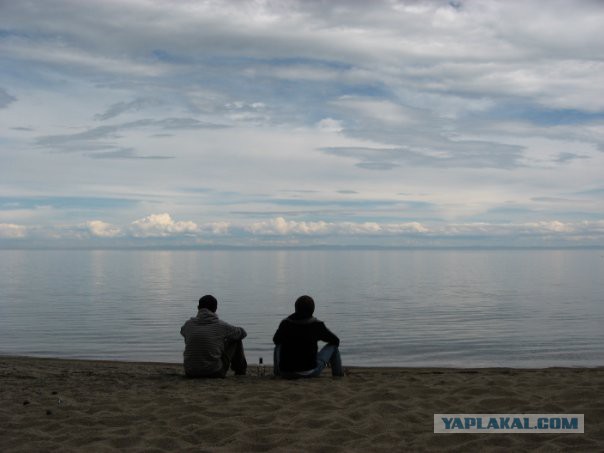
{"points": [[70, 405]]}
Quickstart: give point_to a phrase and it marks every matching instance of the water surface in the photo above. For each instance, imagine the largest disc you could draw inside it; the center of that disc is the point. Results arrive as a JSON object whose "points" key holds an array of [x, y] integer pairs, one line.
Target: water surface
{"points": [[521, 308]]}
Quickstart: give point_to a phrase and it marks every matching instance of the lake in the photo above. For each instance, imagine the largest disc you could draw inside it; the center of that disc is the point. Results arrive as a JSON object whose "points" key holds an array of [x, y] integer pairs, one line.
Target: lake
{"points": [[462, 308]]}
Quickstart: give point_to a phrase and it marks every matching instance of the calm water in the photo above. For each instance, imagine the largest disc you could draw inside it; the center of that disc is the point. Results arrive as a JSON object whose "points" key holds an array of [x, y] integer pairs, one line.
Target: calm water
{"points": [[410, 308]]}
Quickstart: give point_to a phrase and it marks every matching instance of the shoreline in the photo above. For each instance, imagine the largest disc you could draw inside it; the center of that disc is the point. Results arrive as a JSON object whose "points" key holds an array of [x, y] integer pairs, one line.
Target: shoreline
{"points": [[105, 405], [253, 366]]}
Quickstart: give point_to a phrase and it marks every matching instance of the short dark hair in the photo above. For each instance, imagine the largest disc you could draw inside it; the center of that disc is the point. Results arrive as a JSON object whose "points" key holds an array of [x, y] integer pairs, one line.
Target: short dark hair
{"points": [[208, 301], [305, 306]]}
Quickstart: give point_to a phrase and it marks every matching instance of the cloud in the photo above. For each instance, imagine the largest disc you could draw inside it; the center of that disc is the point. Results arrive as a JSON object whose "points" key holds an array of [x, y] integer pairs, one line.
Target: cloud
{"points": [[550, 53], [112, 132], [552, 226], [126, 153], [568, 157], [122, 107], [12, 231], [375, 228], [98, 228], [161, 225], [330, 125], [108, 137], [377, 109], [545, 229], [250, 112], [299, 71], [279, 226], [86, 140], [216, 228], [377, 165], [74, 59], [490, 110], [5, 98], [184, 124], [80, 203], [408, 227], [446, 153]]}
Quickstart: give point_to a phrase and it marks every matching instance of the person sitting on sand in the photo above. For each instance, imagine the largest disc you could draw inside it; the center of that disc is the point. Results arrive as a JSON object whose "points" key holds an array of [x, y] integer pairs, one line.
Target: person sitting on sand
{"points": [[296, 348], [212, 346]]}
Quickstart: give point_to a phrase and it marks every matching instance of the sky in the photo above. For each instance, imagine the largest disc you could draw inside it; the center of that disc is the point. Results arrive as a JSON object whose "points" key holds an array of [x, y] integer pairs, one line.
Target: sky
{"points": [[150, 123]]}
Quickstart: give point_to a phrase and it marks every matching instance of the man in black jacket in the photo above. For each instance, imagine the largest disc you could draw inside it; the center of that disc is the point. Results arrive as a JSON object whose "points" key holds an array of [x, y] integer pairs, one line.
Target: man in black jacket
{"points": [[296, 348]]}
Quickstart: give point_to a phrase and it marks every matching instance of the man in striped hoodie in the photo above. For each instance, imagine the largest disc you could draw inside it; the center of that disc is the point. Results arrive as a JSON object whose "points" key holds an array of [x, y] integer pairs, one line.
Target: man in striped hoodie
{"points": [[212, 346]]}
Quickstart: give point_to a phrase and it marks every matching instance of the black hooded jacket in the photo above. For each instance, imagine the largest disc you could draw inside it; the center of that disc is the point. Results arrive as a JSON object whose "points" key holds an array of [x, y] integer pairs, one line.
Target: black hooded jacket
{"points": [[298, 335]]}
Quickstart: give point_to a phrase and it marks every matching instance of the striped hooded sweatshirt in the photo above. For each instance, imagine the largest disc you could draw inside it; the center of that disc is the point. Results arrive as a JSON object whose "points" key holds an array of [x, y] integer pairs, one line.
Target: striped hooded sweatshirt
{"points": [[205, 338]]}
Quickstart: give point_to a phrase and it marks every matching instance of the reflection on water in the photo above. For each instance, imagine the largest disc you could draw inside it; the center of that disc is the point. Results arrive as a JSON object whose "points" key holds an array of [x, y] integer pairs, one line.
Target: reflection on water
{"points": [[440, 308]]}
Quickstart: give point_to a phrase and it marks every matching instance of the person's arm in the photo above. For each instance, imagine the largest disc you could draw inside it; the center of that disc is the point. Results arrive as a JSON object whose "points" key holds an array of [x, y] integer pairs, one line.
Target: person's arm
{"points": [[234, 333], [328, 336], [182, 330], [278, 337]]}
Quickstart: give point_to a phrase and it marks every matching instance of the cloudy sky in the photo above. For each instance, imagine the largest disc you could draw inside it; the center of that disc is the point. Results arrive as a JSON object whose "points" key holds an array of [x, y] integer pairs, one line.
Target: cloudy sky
{"points": [[285, 123]]}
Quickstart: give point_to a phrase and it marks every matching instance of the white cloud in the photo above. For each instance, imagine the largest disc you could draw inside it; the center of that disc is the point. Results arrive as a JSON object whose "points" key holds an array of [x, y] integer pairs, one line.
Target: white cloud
{"points": [[553, 226], [280, 226], [303, 72], [409, 227], [379, 110], [217, 228], [544, 228], [239, 111], [101, 229], [12, 231], [330, 125], [59, 54], [359, 228], [162, 225], [375, 228], [485, 108]]}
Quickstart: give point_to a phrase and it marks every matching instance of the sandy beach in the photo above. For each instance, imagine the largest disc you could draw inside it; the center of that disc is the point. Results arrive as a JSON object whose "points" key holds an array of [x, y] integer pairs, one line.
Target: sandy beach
{"points": [[73, 405]]}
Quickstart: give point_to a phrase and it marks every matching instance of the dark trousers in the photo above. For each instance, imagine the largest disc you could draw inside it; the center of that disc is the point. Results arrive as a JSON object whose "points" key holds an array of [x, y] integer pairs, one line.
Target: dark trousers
{"points": [[233, 358]]}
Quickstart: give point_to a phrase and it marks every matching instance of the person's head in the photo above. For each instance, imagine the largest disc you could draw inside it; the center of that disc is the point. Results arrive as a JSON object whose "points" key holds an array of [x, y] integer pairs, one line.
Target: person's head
{"points": [[209, 302], [305, 306]]}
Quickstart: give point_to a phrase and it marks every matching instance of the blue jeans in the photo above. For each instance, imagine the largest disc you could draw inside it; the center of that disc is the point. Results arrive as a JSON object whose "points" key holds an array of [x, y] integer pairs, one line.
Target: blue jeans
{"points": [[328, 354]]}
